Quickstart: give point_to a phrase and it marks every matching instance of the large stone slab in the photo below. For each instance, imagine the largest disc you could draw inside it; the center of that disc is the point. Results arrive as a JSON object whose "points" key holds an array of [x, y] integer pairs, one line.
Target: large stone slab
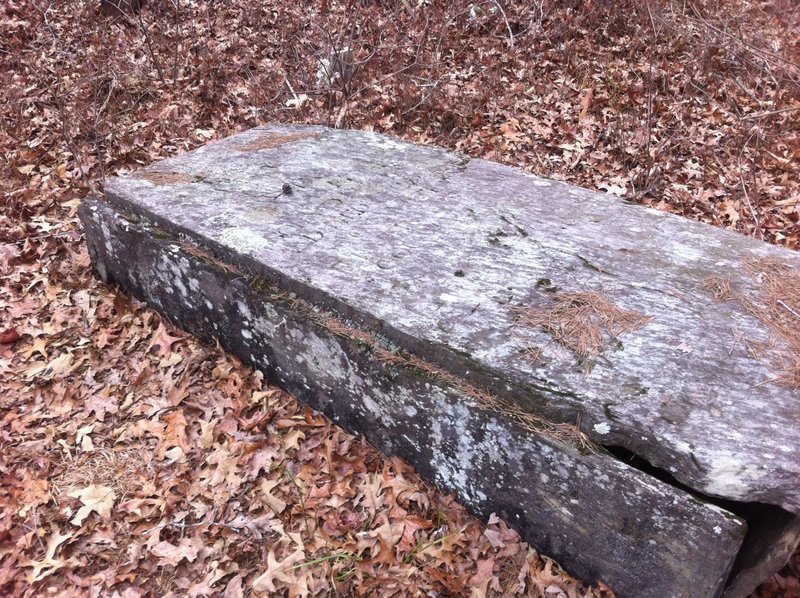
{"points": [[601, 518], [466, 269]]}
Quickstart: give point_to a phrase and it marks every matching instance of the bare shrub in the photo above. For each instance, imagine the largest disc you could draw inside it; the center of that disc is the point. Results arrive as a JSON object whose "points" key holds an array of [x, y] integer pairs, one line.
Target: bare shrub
{"points": [[121, 7]]}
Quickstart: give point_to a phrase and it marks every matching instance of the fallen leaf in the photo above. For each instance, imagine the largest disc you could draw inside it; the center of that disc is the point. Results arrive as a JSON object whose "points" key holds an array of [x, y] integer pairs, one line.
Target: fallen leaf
{"points": [[99, 499], [164, 341], [39, 346], [586, 102], [83, 439], [9, 336], [495, 538], [234, 588], [479, 582], [277, 571], [297, 101], [207, 432], [727, 208], [49, 564], [272, 501], [57, 366], [9, 252], [257, 527], [171, 554]]}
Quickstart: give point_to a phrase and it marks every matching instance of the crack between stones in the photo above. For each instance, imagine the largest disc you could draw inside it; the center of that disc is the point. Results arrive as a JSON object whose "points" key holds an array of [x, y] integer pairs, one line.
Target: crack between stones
{"points": [[763, 521]]}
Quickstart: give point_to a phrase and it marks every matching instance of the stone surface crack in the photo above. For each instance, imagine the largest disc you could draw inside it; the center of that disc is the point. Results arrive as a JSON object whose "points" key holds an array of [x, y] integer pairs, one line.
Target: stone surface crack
{"points": [[592, 266]]}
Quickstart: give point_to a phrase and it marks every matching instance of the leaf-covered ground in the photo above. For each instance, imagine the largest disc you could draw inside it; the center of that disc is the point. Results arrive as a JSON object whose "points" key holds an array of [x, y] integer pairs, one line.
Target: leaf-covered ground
{"points": [[135, 461]]}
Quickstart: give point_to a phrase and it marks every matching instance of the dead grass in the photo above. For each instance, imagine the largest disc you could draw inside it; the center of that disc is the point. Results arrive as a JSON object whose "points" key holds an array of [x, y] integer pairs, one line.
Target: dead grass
{"points": [[270, 140], [779, 310], [776, 304], [162, 178], [719, 287], [583, 322], [120, 469]]}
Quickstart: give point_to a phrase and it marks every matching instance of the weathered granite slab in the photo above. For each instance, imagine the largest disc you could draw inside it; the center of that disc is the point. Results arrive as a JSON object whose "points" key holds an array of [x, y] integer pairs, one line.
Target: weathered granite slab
{"points": [[601, 518], [437, 254], [434, 250]]}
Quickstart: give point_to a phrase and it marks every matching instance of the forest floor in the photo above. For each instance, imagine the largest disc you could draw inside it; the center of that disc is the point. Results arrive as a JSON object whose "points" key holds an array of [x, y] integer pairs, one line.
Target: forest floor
{"points": [[136, 461]]}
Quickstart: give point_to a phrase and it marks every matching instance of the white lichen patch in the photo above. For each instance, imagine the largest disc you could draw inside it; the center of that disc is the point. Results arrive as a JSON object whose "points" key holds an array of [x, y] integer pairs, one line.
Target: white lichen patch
{"points": [[682, 447], [371, 406], [267, 327], [171, 271], [385, 142], [602, 428], [731, 477], [322, 357], [457, 474], [244, 309], [686, 252], [243, 239]]}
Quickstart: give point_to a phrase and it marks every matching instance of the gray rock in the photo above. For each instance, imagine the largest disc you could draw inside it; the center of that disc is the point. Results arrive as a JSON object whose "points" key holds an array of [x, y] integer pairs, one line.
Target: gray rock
{"points": [[436, 256]]}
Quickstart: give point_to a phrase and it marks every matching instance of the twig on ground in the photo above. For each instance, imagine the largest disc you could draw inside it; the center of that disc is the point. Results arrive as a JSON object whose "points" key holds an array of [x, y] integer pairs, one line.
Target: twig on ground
{"points": [[149, 45], [238, 530], [789, 309], [750, 207], [770, 113], [508, 25]]}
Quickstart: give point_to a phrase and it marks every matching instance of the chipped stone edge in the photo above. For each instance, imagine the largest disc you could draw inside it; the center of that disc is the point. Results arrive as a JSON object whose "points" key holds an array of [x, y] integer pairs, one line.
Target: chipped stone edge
{"points": [[389, 353]]}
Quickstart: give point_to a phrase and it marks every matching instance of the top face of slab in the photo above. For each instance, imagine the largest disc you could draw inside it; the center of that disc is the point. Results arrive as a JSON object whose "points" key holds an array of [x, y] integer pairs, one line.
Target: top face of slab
{"points": [[442, 249]]}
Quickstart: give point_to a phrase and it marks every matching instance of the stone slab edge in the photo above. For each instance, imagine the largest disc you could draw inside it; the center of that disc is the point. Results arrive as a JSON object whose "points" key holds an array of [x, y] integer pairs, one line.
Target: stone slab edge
{"points": [[600, 518]]}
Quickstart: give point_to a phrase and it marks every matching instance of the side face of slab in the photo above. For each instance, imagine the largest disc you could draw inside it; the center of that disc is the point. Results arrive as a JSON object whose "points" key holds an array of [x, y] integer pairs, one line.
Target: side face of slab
{"points": [[440, 254], [600, 518], [766, 553]]}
